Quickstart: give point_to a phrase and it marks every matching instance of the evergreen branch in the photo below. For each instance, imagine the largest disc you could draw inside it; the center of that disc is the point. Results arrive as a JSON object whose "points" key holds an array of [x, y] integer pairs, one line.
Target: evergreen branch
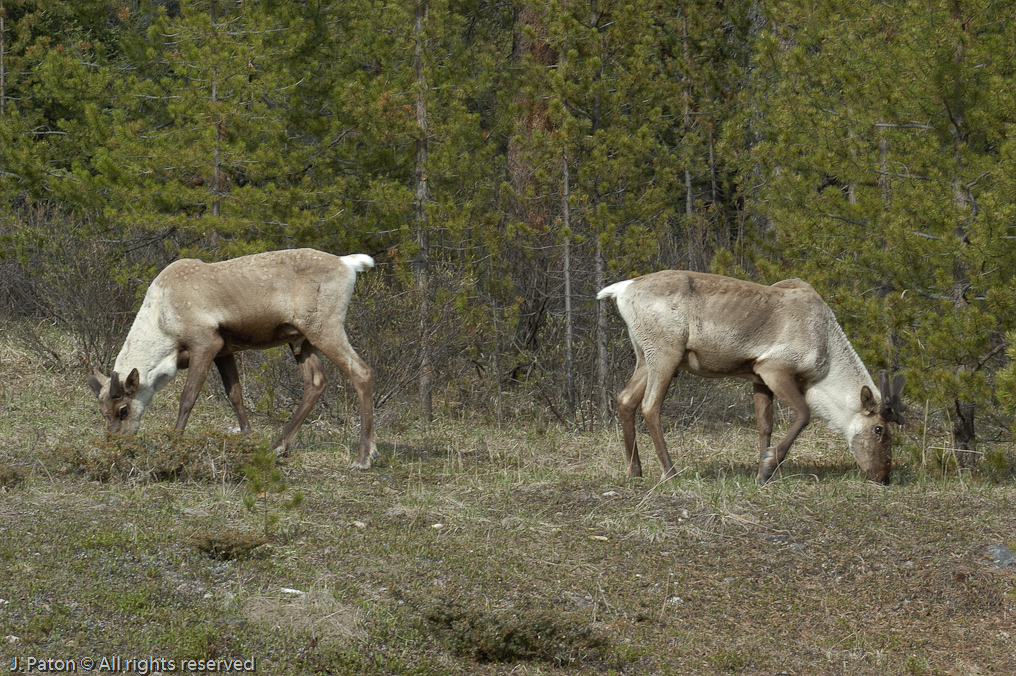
{"points": [[56, 174], [989, 356], [924, 293], [899, 175], [846, 220], [906, 125]]}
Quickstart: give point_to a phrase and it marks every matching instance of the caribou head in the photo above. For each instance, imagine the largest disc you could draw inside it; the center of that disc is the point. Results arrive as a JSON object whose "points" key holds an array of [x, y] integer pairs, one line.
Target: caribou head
{"points": [[871, 444], [119, 403]]}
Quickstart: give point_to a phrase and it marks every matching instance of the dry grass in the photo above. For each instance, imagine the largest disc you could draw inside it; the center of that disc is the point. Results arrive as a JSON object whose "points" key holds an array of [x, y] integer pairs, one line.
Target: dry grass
{"points": [[469, 549], [315, 613]]}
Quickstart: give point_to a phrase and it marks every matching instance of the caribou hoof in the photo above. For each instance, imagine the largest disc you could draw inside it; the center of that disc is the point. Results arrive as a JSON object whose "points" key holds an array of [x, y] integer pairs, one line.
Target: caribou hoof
{"points": [[360, 464], [767, 466]]}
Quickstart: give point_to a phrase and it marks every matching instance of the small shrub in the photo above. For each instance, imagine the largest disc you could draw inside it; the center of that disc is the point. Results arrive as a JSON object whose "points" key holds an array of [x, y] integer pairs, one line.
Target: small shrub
{"points": [[264, 478], [917, 666], [997, 465], [160, 456], [727, 660]]}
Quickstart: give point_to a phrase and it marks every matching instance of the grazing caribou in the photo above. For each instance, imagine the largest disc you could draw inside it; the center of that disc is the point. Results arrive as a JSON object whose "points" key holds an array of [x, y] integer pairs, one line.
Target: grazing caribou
{"points": [[783, 338], [196, 314]]}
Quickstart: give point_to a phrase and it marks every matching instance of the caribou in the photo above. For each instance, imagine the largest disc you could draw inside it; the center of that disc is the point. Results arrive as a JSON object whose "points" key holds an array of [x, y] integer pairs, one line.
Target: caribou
{"points": [[783, 338], [196, 314]]}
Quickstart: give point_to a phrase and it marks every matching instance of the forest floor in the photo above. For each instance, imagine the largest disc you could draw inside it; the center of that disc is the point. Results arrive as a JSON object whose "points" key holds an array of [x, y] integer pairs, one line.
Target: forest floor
{"points": [[474, 549]]}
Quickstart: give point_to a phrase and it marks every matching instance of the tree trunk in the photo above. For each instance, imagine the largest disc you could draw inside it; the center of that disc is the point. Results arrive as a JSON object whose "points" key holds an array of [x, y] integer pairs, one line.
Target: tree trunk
{"points": [[533, 283], [884, 182], [497, 365], [3, 65], [964, 436], [216, 176], [689, 196], [423, 237], [569, 360], [601, 334], [600, 396], [964, 421]]}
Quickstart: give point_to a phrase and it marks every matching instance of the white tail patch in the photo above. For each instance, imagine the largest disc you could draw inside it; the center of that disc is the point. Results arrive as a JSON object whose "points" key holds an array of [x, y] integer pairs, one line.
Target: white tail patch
{"points": [[614, 290], [359, 262]]}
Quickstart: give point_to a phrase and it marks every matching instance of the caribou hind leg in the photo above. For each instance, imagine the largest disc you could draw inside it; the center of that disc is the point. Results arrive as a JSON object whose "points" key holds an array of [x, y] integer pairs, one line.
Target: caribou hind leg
{"points": [[234, 392], [308, 360], [783, 385], [628, 401], [336, 347], [658, 378]]}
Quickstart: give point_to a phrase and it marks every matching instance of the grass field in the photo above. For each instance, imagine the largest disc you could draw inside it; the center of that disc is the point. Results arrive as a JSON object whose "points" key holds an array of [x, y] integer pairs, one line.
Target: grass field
{"points": [[470, 549]]}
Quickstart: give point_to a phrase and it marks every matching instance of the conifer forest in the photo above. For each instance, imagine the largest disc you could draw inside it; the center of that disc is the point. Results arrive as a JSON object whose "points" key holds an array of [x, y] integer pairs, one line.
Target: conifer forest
{"points": [[503, 160]]}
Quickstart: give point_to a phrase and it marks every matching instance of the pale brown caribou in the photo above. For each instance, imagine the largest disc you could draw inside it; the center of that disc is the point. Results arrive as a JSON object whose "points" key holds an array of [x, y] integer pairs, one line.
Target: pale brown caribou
{"points": [[784, 338], [196, 314]]}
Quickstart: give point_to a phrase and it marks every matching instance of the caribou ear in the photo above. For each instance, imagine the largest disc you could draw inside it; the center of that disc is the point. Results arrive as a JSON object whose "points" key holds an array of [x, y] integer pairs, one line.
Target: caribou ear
{"points": [[131, 384], [96, 381], [868, 403]]}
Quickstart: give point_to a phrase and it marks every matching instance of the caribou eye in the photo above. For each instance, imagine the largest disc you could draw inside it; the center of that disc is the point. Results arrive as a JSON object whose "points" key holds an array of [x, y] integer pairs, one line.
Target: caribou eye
{"points": [[878, 430], [123, 412]]}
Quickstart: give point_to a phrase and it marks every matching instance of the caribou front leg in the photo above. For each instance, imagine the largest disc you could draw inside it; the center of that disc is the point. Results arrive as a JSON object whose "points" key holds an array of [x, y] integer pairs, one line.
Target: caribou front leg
{"points": [[764, 420], [199, 362], [783, 385], [234, 392]]}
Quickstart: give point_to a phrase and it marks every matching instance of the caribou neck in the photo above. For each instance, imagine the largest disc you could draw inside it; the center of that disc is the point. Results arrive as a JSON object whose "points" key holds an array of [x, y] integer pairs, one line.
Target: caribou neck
{"points": [[148, 348], [837, 396]]}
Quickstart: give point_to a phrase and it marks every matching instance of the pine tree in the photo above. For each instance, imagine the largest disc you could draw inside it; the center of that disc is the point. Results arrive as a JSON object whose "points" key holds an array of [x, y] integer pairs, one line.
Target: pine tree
{"points": [[604, 155], [883, 130], [202, 143], [55, 75]]}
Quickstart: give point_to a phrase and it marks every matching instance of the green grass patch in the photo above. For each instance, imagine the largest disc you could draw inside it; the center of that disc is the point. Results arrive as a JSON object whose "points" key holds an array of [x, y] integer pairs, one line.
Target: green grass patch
{"points": [[471, 549]]}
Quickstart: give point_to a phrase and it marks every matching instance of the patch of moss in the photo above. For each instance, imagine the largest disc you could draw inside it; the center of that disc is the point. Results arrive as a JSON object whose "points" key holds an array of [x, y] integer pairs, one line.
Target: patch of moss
{"points": [[512, 635], [227, 544], [10, 478]]}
